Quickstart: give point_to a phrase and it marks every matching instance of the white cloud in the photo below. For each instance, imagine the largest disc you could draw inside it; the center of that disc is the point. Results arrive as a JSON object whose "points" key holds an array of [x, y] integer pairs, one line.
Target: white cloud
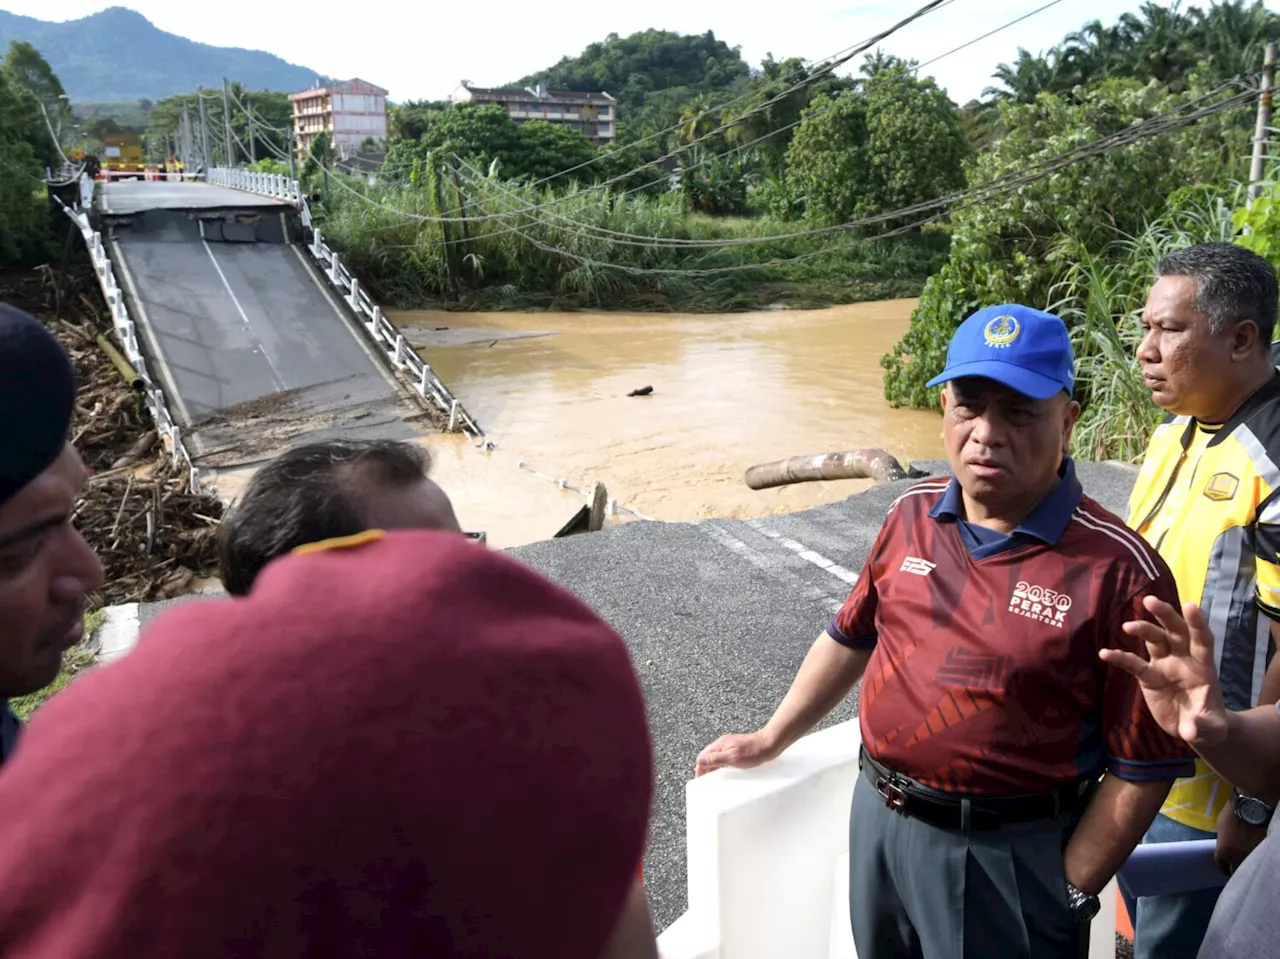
{"points": [[424, 52]]}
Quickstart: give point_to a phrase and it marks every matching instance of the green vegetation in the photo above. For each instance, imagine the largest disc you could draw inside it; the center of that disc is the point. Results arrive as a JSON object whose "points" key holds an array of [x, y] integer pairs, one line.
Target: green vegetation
{"points": [[1168, 45], [1083, 240], [25, 150], [509, 261], [1001, 250], [551, 221], [75, 661], [891, 141]]}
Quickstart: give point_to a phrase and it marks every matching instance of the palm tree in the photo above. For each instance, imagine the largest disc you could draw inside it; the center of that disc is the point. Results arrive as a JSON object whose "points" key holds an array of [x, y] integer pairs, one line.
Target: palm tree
{"points": [[696, 118], [1025, 79]]}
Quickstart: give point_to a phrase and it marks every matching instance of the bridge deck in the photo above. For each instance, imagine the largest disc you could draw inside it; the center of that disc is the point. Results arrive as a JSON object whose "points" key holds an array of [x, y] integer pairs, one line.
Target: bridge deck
{"points": [[126, 197], [252, 350]]}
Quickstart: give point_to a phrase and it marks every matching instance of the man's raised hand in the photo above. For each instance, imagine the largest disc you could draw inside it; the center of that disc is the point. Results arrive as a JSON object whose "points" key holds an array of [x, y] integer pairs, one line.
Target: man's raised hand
{"points": [[1179, 681]]}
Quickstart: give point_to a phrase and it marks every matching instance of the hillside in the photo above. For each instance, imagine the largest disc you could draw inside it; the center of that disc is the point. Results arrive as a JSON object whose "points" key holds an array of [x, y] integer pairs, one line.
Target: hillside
{"points": [[118, 54]]}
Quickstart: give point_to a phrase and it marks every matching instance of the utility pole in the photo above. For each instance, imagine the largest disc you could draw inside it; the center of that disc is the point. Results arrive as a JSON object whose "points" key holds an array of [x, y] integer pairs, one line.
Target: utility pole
{"points": [[184, 148], [253, 148], [226, 119], [206, 158], [1256, 171], [293, 155]]}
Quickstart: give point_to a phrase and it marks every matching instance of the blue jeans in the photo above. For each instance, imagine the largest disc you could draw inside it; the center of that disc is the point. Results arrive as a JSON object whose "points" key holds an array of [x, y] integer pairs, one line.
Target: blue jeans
{"points": [[1170, 927]]}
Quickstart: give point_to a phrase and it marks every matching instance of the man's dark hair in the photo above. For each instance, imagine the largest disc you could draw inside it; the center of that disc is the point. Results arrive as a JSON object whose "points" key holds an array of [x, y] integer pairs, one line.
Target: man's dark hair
{"points": [[1232, 284], [306, 495]]}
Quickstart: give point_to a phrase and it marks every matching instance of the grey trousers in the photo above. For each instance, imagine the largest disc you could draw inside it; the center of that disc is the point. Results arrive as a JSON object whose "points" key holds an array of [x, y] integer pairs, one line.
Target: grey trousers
{"points": [[920, 892]]}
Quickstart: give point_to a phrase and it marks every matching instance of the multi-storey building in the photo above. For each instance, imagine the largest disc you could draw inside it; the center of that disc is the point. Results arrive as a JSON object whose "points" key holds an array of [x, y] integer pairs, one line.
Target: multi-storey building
{"points": [[350, 111], [594, 115]]}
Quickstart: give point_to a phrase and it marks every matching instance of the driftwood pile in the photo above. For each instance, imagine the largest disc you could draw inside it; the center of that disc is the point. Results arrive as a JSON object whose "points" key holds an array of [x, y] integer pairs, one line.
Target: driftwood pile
{"points": [[154, 536]]}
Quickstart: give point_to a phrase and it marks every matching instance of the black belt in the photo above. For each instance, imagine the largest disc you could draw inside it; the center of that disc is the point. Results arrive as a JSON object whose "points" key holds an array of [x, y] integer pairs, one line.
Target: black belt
{"points": [[946, 811]]}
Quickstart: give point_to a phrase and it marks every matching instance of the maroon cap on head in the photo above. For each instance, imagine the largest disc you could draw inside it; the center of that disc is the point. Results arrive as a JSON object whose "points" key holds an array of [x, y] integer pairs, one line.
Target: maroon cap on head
{"points": [[404, 747]]}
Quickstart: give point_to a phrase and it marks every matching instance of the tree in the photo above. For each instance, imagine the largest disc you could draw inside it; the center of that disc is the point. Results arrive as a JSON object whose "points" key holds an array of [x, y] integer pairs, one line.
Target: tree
{"points": [[411, 120], [29, 70], [25, 150], [767, 131], [894, 141], [547, 149], [1167, 44]]}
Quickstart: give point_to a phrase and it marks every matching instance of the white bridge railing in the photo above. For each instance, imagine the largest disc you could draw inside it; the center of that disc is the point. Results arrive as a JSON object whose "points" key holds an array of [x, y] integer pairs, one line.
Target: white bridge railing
{"points": [[267, 184], [127, 332]]}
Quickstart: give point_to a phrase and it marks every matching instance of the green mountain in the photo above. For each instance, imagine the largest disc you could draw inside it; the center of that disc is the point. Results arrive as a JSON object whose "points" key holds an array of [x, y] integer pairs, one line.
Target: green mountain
{"points": [[118, 54]]}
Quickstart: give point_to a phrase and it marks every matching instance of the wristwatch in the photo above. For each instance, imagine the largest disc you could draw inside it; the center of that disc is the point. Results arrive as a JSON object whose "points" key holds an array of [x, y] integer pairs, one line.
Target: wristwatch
{"points": [[1083, 905], [1251, 811]]}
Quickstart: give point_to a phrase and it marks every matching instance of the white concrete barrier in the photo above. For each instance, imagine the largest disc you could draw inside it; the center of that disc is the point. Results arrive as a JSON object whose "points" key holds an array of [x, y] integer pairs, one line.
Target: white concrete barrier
{"points": [[768, 853]]}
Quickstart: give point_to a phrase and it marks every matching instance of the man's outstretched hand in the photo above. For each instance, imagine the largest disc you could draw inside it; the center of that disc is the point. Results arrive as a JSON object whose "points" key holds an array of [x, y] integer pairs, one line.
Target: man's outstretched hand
{"points": [[738, 750], [1180, 682]]}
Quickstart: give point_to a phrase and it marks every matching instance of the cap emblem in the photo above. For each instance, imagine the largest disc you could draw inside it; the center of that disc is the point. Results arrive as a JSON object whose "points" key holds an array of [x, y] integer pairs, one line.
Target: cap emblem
{"points": [[1001, 331]]}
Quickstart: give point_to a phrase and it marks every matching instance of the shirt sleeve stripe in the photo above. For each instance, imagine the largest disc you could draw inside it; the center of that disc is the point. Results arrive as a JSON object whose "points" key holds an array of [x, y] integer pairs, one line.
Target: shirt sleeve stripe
{"points": [[1150, 770], [852, 642]]}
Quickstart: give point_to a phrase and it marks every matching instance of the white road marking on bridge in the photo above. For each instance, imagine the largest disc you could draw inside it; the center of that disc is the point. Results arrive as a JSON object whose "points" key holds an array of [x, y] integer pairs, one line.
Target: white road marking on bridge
{"points": [[173, 394], [805, 553], [275, 373], [767, 564]]}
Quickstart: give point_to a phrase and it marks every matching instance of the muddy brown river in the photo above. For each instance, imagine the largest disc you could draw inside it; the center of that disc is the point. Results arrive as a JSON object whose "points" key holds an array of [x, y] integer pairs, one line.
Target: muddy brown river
{"points": [[729, 391]]}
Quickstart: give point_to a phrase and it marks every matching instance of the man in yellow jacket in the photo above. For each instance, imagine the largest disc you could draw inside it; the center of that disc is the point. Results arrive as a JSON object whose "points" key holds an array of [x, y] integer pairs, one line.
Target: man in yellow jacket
{"points": [[1208, 499]]}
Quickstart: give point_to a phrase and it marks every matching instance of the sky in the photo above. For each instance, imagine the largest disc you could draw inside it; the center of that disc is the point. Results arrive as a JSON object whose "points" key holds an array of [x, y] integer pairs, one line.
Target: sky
{"points": [[426, 53]]}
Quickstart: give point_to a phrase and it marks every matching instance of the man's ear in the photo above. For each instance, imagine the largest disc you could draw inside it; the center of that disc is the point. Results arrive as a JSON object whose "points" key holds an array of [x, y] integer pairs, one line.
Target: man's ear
{"points": [[1245, 340]]}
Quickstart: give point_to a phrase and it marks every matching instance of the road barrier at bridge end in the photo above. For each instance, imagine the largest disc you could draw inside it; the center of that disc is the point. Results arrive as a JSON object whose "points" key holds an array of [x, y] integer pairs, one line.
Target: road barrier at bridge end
{"points": [[127, 333], [386, 336]]}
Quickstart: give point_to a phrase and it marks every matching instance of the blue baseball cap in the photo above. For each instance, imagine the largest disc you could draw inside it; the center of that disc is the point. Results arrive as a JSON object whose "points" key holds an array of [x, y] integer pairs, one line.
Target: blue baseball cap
{"points": [[1026, 350]]}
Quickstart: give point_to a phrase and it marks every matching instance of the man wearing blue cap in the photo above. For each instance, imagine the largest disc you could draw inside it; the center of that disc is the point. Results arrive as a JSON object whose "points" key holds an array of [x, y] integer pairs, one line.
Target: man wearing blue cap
{"points": [[46, 568], [1005, 778]]}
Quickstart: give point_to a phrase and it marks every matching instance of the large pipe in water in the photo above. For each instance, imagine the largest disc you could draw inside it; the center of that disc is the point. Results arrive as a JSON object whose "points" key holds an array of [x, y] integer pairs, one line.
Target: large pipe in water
{"points": [[868, 463]]}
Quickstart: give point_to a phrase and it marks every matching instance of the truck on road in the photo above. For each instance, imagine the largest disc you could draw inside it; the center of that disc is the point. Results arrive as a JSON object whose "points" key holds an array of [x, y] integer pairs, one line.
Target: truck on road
{"points": [[122, 154]]}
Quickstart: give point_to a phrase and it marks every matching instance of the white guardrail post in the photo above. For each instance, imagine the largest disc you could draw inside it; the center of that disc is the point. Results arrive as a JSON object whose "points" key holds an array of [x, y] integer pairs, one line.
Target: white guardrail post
{"points": [[126, 331], [768, 859]]}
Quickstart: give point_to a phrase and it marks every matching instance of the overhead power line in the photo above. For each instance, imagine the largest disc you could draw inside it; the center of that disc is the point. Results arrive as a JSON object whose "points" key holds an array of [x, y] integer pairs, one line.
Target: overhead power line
{"points": [[1151, 127], [979, 195]]}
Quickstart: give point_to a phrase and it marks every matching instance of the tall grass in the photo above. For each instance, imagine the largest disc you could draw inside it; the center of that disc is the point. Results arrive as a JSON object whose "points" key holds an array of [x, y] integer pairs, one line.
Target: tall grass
{"points": [[552, 256], [1101, 298]]}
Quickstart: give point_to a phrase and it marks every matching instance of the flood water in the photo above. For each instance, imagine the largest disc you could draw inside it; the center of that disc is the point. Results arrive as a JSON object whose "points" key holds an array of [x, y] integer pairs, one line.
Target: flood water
{"points": [[729, 391]]}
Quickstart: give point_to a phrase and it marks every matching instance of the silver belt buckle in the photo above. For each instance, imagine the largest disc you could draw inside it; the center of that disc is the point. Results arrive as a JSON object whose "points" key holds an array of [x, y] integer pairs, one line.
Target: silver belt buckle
{"points": [[894, 796]]}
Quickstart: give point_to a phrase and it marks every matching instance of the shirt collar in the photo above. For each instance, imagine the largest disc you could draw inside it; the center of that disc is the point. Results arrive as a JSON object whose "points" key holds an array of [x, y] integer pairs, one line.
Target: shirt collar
{"points": [[1046, 522]]}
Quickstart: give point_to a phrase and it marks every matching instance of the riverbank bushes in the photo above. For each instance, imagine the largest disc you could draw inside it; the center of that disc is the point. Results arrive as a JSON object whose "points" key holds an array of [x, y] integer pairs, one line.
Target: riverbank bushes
{"points": [[515, 245]]}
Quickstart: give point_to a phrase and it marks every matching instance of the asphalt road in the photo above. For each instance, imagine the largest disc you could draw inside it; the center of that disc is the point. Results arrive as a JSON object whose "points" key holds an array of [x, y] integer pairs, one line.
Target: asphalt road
{"points": [[136, 196], [231, 314], [717, 616]]}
